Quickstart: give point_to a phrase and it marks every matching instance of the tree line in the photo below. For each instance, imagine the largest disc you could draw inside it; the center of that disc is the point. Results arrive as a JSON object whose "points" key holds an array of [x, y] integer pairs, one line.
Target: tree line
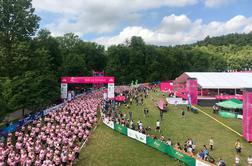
{"points": [[32, 60]]}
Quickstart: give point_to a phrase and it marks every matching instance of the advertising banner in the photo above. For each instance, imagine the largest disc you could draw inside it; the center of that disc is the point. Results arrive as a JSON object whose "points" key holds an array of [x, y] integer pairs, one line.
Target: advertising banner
{"points": [[170, 151], [63, 90], [111, 90], [166, 86], [179, 101], [247, 114], [121, 129], [158, 145], [87, 80], [192, 90], [137, 136], [109, 123], [202, 163], [182, 157]]}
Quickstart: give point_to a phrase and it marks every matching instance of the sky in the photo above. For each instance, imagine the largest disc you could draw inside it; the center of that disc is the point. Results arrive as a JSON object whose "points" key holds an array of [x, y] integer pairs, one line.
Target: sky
{"points": [[159, 22]]}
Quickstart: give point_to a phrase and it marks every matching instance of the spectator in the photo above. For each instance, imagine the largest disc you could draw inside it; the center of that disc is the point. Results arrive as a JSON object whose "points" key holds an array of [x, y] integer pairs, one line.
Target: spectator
{"points": [[140, 126], [169, 142], [133, 126], [162, 138], [206, 152], [201, 155], [177, 146], [221, 162]]}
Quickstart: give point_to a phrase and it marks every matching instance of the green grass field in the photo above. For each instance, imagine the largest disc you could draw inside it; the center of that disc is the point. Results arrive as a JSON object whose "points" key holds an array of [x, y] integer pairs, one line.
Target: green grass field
{"points": [[107, 147]]}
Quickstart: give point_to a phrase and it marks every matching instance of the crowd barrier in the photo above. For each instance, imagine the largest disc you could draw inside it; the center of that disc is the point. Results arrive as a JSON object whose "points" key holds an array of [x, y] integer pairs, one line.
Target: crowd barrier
{"points": [[30, 118], [156, 144]]}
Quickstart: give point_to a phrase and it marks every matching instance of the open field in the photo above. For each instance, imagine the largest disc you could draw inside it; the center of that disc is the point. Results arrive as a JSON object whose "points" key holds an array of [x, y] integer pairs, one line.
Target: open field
{"points": [[107, 147]]}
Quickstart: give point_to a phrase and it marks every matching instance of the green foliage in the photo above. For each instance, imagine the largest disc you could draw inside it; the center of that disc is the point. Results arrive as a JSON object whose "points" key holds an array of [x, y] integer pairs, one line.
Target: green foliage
{"points": [[17, 24], [234, 39], [17, 21]]}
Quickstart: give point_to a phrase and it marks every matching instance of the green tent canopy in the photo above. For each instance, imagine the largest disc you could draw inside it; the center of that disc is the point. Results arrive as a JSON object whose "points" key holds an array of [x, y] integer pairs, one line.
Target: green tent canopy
{"points": [[230, 104]]}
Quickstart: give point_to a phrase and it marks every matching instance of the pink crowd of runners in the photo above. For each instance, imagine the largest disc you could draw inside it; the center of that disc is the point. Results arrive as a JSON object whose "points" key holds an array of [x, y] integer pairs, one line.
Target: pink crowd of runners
{"points": [[55, 139]]}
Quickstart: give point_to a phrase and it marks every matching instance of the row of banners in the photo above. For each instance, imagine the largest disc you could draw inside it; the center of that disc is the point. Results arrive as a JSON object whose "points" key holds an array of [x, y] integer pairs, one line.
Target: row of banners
{"points": [[156, 144], [16, 125]]}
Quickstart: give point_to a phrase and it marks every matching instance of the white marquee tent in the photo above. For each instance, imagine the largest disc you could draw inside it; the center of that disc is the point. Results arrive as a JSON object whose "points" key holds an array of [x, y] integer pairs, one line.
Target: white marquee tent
{"points": [[219, 80]]}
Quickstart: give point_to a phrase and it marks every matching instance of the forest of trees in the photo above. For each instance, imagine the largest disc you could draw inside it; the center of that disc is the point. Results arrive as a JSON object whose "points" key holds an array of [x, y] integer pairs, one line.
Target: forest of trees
{"points": [[32, 60]]}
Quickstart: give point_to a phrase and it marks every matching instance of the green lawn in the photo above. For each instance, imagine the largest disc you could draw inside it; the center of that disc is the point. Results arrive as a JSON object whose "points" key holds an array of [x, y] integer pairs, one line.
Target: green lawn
{"points": [[109, 148], [106, 147], [235, 124]]}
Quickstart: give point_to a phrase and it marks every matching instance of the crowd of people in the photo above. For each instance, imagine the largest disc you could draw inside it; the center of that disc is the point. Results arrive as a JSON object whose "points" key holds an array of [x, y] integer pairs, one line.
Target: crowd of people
{"points": [[55, 139]]}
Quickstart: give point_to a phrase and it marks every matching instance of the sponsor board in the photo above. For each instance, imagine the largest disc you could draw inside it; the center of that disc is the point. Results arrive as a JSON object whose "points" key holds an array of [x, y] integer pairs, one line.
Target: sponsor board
{"points": [[63, 90], [111, 90], [201, 163], [121, 129], [158, 145], [137, 136], [175, 101], [109, 123]]}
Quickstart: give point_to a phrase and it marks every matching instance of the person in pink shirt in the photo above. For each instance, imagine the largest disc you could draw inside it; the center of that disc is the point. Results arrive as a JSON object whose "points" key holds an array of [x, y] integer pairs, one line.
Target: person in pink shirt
{"points": [[77, 151], [28, 162], [11, 161], [18, 145], [37, 162], [56, 160], [17, 158], [23, 158], [71, 157]]}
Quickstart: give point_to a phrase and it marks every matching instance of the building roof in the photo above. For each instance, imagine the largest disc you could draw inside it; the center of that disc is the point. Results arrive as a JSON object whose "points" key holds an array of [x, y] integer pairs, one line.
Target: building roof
{"points": [[219, 80]]}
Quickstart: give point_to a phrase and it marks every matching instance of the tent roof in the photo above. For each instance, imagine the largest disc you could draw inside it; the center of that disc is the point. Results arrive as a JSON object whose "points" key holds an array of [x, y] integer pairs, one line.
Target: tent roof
{"points": [[230, 104], [222, 80]]}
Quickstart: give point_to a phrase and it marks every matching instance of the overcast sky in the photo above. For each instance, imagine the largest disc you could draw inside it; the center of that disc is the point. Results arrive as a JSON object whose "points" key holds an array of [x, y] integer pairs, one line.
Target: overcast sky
{"points": [[160, 22]]}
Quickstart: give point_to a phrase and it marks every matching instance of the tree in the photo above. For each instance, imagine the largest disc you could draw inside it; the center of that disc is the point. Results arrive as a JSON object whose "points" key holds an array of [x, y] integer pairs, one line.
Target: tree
{"points": [[17, 24], [33, 90], [17, 21]]}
